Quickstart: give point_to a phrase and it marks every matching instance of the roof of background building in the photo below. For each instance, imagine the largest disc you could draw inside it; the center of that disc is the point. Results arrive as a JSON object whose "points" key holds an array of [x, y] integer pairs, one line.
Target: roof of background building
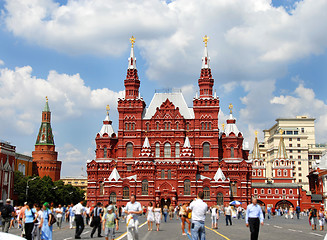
{"points": [[275, 185], [175, 97]]}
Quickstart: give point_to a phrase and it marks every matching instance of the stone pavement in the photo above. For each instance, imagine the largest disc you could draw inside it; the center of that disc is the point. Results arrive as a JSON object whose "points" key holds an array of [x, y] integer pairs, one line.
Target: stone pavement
{"points": [[277, 228]]}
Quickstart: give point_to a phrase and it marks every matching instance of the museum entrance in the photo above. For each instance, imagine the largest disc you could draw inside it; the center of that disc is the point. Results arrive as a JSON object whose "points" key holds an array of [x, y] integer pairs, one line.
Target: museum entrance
{"points": [[165, 202]]}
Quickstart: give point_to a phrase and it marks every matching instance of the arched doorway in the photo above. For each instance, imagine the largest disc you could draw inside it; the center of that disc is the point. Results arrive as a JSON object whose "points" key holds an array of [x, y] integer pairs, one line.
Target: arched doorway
{"points": [[220, 198], [165, 202], [284, 204]]}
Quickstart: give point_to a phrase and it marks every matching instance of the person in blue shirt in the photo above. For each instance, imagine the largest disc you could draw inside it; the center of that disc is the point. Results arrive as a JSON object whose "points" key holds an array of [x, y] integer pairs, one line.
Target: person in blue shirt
{"points": [[29, 219], [254, 217]]}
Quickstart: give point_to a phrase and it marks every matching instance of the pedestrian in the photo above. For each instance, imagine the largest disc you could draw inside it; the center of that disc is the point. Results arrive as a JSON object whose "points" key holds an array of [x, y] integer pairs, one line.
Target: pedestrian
{"points": [[183, 215], [176, 211], [96, 215], [321, 218], [157, 215], [269, 212], [199, 210], [21, 216], [37, 224], [123, 214], [29, 219], [298, 211], [87, 212], [165, 212], [254, 216], [313, 217], [59, 213], [171, 212], [79, 210], [71, 216], [133, 210], [109, 221], [46, 233], [228, 214], [150, 216], [214, 217], [6, 213]]}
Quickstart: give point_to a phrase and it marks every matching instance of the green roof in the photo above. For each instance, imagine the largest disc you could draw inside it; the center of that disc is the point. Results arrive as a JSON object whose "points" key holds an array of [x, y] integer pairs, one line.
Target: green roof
{"points": [[46, 107]]}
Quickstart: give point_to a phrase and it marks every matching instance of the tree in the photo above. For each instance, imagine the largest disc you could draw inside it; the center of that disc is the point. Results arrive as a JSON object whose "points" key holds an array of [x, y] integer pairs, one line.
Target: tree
{"points": [[45, 190]]}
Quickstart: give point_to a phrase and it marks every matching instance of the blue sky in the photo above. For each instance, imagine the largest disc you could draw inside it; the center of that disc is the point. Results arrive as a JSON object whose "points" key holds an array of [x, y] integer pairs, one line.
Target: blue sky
{"points": [[267, 58]]}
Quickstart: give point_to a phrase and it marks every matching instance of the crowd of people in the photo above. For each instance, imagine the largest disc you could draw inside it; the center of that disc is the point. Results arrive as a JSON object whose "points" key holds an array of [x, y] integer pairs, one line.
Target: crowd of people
{"points": [[37, 221]]}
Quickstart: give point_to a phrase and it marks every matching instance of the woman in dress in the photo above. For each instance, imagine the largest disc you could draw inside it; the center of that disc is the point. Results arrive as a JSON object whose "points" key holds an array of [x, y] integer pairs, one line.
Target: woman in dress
{"points": [[183, 215], [321, 218], [157, 215], [150, 216], [45, 223], [214, 217]]}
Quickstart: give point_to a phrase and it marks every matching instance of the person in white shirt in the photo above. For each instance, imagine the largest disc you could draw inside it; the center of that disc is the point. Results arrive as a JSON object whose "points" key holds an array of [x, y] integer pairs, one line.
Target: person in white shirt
{"points": [[199, 210], [214, 217], [59, 212], [133, 210], [79, 210], [228, 214]]}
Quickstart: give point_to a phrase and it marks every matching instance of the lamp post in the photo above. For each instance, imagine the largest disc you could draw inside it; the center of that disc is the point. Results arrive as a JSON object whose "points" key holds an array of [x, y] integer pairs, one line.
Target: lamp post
{"points": [[27, 187]]}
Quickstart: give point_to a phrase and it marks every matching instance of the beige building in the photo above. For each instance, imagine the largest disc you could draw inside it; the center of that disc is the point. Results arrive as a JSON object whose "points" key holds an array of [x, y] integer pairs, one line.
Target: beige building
{"points": [[300, 142], [80, 182]]}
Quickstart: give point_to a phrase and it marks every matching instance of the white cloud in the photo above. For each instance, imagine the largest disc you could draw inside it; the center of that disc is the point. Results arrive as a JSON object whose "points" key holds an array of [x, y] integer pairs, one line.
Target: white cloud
{"points": [[22, 96], [248, 39], [2, 62]]}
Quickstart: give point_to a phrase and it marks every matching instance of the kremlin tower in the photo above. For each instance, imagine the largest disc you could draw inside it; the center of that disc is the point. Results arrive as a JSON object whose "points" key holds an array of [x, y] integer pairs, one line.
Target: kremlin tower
{"points": [[45, 161]]}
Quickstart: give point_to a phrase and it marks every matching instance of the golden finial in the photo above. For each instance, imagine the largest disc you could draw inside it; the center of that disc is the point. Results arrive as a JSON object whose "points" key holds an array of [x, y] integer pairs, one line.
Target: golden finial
{"points": [[108, 109], [46, 98], [132, 39], [256, 133], [281, 131], [230, 108], [223, 125], [205, 40]]}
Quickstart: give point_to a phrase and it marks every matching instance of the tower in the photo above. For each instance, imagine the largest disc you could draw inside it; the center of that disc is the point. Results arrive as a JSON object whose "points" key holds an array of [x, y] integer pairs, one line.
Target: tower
{"points": [[45, 161]]}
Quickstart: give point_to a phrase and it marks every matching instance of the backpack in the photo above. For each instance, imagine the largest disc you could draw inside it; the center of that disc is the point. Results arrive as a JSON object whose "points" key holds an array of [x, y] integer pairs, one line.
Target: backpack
{"points": [[5, 212]]}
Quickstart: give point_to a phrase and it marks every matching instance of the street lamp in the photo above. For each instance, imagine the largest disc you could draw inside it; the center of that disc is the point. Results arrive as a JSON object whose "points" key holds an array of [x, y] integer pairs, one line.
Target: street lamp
{"points": [[27, 187]]}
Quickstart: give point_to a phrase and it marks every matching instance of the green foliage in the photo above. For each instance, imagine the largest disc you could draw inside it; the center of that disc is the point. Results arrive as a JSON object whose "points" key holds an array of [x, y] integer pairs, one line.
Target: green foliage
{"points": [[45, 190]]}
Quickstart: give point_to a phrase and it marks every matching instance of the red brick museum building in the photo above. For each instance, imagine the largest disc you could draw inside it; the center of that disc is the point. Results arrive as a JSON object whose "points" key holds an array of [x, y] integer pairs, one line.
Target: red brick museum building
{"points": [[166, 152]]}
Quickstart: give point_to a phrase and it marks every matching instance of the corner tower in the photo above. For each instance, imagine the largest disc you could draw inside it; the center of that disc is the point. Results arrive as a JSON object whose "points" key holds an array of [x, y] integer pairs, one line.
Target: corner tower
{"points": [[45, 161]]}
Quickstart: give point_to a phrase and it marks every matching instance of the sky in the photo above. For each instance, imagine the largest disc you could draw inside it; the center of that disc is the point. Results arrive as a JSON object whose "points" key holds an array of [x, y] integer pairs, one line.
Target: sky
{"points": [[268, 58]]}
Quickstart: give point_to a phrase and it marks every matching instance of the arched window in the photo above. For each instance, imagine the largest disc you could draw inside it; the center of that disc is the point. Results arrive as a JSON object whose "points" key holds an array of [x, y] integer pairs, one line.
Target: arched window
{"points": [[202, 126], [206, 192], [133, 126], [169, 174], [187, 187], [113, 197], [177, 125], [259, 172], [105, 152], [279, 173], [177, 152], [291, 191], [126, 126], [162, 174], [126, 193], [157, 125], [147, 126], [129, 150], [187, 126], [284, 191], [167, 150], [255, 191], [145, 187], [206, 150], [276, 191], [285, 172], [232, 152], [101, 188], [253, 173], [262, 191], [206, 125], [209, 125], [220, 198], [157, 149], [269, 191], [234, 188]]}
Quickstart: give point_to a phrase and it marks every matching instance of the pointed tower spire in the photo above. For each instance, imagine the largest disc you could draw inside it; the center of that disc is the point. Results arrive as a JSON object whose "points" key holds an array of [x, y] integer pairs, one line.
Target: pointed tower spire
{"points": [[205, 81], [146, 149], [281, 154], [45, 135], [256, 151], [107, 125], [132, 82]]}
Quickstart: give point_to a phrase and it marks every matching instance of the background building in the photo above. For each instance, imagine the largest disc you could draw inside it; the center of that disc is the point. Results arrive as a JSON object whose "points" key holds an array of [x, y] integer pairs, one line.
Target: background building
{"points": [[7, 168], [167, 152], [80, 182], [24, 164]]}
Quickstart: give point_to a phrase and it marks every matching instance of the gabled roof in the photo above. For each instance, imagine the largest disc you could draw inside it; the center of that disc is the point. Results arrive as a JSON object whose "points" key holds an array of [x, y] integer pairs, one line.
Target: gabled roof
{"points": [[219, 175], [114, 176], [176, 98]]}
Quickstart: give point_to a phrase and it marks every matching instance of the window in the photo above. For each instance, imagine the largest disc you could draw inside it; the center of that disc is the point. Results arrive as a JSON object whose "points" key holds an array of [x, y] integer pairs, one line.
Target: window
{"points": [[290, 139], [202, 126], [187, 126], [291, 157], [113, 197], [302, 130], [169, 174], [253, 172], [289, 132], [206, 167], [232, 152], [291, 151], [133, 126], [276, 191], [177, 126], [210, 125], [299, 162], [300, 180], [291, 191], [285, 173], [298, 151], [269, 191], [220, 198], [299, 168], [296, 132], [147, 126], [284, 191], [129, 150], [126, 126], [259, 172], [206, 150], [157, 125], [177, 152], [290, 145], [279, 173], [167, 150], [299, 157], [157, 149], [126, 193], [300, 174], [262, 191], [101, 188], [299, 145], [145, 186], [105, 152], [255, 191], [298, 139], [162, 174], [234, 188], [206, 192], [187, 187], [129, 167]]}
